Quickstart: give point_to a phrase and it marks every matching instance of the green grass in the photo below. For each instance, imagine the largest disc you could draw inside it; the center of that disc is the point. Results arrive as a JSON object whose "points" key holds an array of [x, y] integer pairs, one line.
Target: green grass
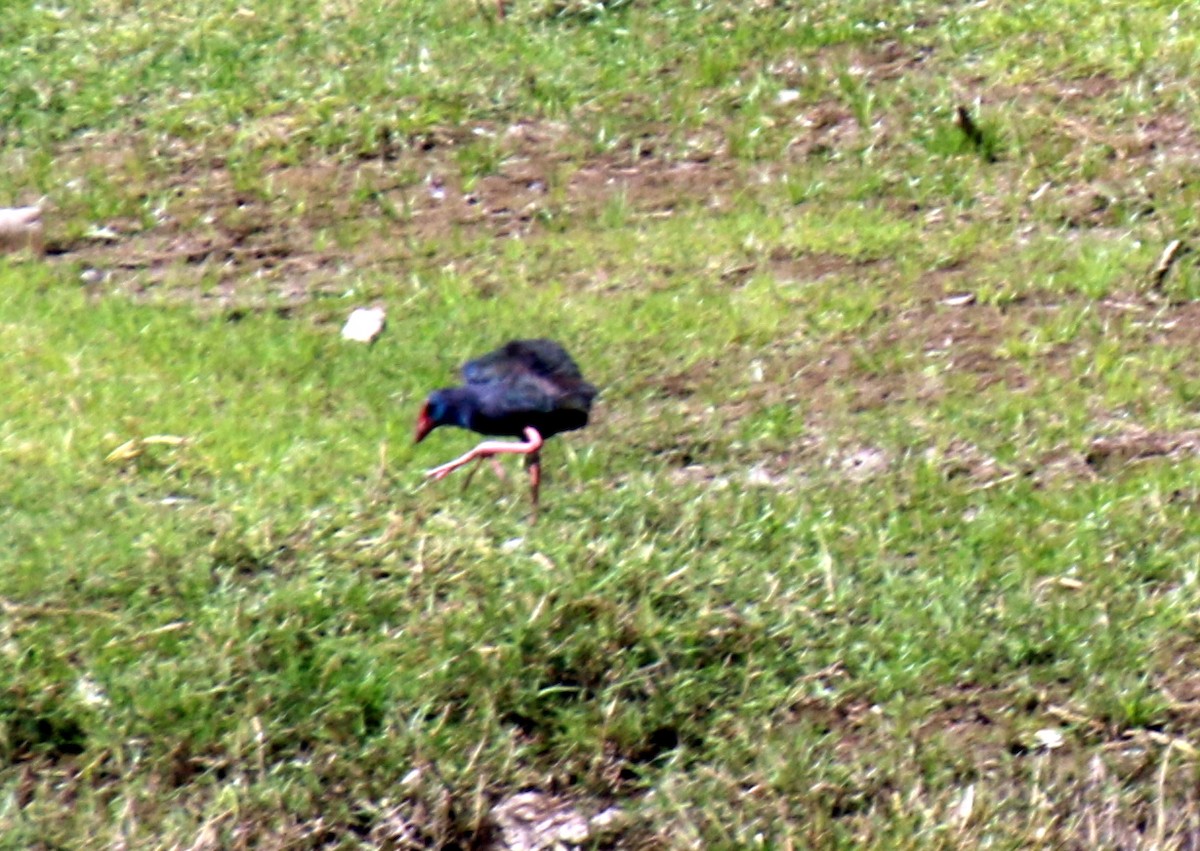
{"points": [[892, 477]]}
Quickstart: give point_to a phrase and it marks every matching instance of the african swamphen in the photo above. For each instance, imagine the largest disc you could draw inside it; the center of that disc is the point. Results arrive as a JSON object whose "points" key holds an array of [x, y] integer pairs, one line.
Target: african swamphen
{"points": [[530, 389]]}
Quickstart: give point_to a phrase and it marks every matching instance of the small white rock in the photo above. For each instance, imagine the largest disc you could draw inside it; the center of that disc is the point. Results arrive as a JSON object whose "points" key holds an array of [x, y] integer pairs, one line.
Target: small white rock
{"points": [[21, 227], [364, 324], [606, 820], [1049, 738], [90, 693], [787, 96], [103, 233], [966, 805], [534, 821], [759, 476], [436, 187]]}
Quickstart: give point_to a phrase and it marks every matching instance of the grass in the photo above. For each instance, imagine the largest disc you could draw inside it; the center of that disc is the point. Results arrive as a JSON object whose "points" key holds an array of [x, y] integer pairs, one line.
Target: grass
{"points": [[883, 533]]}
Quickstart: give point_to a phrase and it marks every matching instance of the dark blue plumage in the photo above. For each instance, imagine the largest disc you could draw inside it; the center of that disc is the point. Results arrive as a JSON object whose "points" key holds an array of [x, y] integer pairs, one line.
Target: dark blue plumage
{"points": [[530, 389], [523, 384]]}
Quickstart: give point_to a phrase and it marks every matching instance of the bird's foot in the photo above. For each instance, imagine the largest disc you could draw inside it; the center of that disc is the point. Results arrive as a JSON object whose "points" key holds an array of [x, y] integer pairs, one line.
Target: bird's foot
{"points": [[439, 473], [490, 449]]}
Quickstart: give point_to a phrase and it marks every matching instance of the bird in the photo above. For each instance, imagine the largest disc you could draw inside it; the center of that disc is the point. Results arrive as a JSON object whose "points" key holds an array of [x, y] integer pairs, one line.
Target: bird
{"points": [[528, 389]]}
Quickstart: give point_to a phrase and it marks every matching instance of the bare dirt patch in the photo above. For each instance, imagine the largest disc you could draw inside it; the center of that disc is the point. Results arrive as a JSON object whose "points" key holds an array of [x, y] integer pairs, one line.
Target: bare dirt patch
{"points": [[1175, 325], [290, 231], [1137, 444], [788, 266]]}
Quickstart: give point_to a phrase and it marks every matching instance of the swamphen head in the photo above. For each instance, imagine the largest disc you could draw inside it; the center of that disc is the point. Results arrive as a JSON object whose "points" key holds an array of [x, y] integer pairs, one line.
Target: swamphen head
{"points": [[451, 406]]}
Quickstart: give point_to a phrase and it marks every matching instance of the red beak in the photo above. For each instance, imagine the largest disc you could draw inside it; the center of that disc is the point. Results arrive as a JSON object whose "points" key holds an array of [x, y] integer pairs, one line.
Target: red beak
{"points": [[424, 424]]}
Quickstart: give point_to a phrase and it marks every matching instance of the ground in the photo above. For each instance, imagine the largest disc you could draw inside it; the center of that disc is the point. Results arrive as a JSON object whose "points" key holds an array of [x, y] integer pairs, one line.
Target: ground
{"points": [[883, 531]]}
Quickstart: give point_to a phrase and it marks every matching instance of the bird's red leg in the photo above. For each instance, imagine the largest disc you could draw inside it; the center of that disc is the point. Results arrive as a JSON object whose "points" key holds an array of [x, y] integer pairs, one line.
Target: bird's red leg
{"points": [[471, 473], [531, 444], [534, 462]]}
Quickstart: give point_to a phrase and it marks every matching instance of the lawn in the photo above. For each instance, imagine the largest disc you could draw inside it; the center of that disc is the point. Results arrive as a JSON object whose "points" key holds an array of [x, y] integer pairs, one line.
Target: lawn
{"points": [[884, 531]]}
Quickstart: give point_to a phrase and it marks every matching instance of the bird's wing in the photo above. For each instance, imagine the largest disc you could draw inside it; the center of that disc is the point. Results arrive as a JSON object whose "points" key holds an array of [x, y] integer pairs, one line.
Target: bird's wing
{"points": [[535, 375], [542, 358], [527, 392]]}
